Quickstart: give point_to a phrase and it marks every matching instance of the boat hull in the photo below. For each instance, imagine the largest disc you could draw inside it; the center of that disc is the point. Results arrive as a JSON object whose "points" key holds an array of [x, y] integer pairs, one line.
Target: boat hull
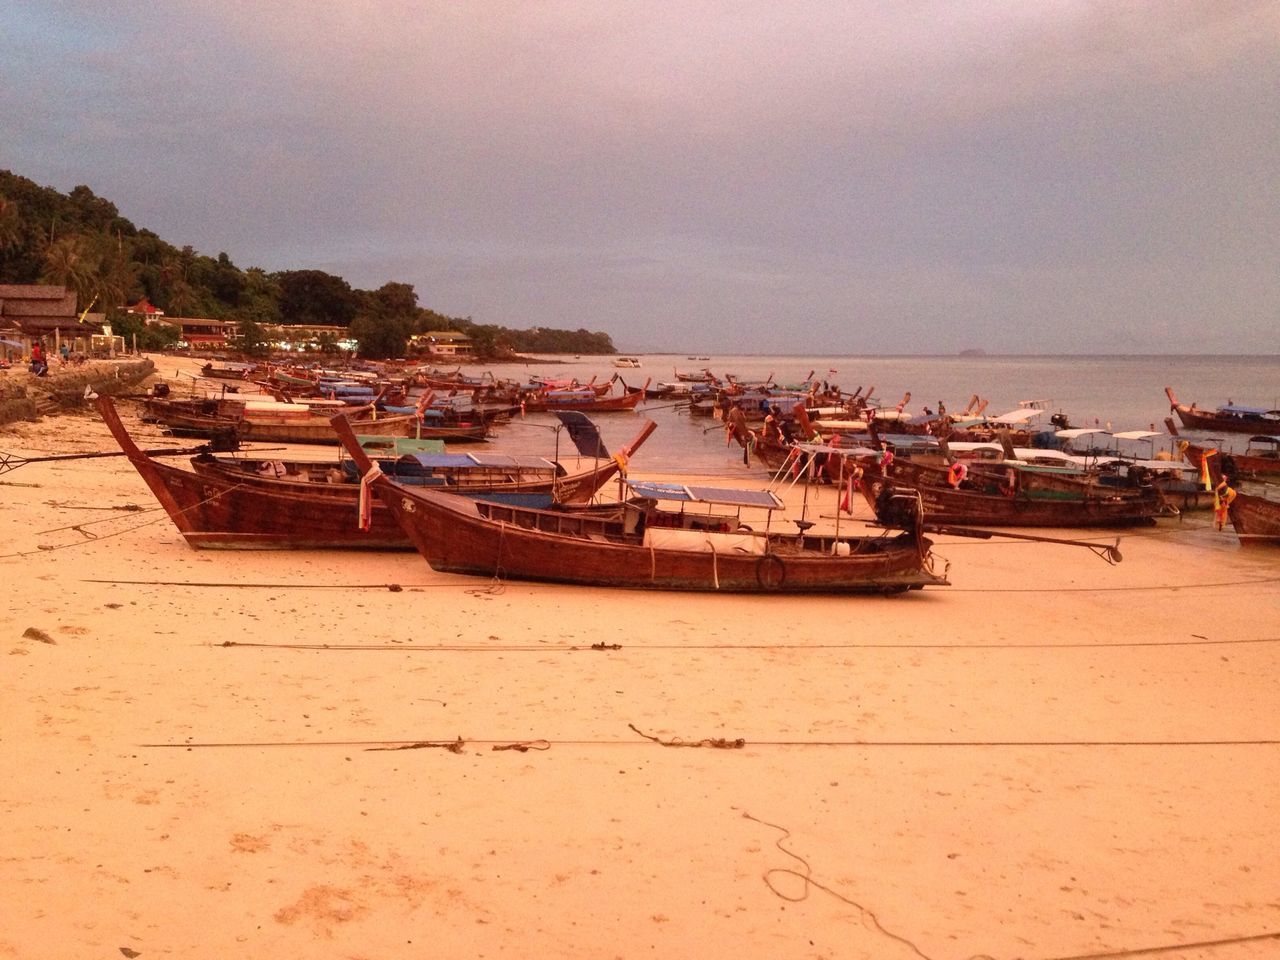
{"points": [[1256, 520], [989, 500], [488, 540]]}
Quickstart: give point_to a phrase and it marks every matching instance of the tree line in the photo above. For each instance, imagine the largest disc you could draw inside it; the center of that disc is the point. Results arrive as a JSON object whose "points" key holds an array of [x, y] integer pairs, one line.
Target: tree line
{"points": [[81, 242]]}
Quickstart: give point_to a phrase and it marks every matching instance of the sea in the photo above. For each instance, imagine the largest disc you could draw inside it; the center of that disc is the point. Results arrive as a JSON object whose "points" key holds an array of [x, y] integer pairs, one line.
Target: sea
{"points": [[1118, 393]]}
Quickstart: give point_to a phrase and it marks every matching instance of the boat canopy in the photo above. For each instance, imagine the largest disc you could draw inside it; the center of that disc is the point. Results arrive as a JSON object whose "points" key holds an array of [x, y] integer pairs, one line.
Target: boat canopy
{"points": [[222, 365], [835, 449], [400, 446], [1275, 441], [685, 493], [909, 440], [1236, 409], [440, 461], [1017, 416], [1076, 432], [1137, 434], [583, 432]]}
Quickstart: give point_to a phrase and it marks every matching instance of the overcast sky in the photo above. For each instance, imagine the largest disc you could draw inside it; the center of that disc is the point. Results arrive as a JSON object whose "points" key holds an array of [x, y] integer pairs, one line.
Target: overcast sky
{"points": [[738, 176]]}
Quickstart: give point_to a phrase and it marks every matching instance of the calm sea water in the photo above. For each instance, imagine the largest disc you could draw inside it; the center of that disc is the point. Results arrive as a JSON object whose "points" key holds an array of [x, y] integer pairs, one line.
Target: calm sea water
{"points": [[1126, 392]]}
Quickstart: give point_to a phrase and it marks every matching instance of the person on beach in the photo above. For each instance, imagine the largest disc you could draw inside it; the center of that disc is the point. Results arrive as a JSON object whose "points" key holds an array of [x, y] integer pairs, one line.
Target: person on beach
{"points": [[39, 365], [65, 352]]}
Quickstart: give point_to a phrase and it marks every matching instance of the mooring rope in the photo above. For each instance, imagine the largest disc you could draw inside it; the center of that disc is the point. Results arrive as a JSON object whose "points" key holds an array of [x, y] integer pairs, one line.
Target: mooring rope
{"points": [[94, 538], [1197, 641]]}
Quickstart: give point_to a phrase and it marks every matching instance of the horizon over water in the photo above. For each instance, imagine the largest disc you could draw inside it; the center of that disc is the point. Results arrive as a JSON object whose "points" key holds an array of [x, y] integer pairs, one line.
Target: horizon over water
{"points": [[1125, 391]]}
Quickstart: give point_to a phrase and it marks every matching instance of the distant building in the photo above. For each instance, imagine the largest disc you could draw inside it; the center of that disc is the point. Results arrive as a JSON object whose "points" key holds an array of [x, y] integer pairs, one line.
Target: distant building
{"points": [[144, 309], [442, 343], [308, 336], [198, 333], [32, 312]]}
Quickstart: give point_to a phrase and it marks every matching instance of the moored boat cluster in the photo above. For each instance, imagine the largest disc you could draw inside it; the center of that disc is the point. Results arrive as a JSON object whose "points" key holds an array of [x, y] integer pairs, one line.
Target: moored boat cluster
{"points": [[494, 514]]}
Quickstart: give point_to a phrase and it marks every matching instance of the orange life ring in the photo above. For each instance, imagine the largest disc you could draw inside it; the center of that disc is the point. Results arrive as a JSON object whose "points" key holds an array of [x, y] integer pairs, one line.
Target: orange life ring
{"points": [[956, 474]]}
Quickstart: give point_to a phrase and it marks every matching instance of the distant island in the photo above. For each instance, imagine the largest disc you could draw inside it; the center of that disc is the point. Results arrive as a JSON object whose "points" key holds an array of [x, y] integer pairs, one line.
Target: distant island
{"points": [[973, 352]]}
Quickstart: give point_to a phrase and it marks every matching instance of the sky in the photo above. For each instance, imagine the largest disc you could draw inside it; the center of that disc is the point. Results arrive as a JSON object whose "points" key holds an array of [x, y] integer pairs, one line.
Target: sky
{"points": [[810, 176]]}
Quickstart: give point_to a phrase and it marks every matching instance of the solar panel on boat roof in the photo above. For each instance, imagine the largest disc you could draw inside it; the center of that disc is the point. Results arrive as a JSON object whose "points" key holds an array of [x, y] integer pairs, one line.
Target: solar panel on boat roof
{"points": [[695, 494], [506, 460], [432, 461], [742, 498]]}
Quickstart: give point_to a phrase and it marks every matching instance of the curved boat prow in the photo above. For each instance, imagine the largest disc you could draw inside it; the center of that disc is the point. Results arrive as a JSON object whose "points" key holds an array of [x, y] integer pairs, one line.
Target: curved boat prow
{"points": [[145, 466], [347, 437]]}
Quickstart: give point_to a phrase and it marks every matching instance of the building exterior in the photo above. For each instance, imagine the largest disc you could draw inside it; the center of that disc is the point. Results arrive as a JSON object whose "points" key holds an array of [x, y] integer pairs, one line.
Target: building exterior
{"points": [[30, 312], [442, 343], [304, 337], [144, 309], [198, 333]]}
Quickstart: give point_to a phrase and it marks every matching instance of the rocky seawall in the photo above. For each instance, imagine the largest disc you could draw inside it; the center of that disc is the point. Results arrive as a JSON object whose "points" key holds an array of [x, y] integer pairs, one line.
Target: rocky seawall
{"points": [[24, 397]]}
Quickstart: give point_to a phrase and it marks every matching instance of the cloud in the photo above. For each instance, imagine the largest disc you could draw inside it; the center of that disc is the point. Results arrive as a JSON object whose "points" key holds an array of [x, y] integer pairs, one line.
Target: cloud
{"points": [[894, 169]]}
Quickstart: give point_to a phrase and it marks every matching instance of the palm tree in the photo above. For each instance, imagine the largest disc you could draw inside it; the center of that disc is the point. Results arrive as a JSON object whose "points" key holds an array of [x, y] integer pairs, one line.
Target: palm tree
{"points": [[68, 262], [119, 276], [10, 224]]}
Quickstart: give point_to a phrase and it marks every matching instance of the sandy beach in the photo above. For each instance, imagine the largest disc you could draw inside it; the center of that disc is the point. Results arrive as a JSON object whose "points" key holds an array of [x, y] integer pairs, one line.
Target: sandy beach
{"points": [[242, 754]]}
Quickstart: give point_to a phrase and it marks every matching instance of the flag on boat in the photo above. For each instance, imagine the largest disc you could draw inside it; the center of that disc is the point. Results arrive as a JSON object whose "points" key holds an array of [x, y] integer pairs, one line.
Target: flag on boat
{"points": [[1205, 477], [366, 496]]}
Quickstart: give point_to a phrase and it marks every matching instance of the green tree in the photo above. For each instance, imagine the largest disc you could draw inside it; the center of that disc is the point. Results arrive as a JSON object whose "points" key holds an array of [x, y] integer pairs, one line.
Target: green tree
{"points": [[253, 338], [394, 300], [327, 343], [316, 297], [69, 263], [149, 336], [381, 338], [260, 299], [10, 223], [118, 277]]}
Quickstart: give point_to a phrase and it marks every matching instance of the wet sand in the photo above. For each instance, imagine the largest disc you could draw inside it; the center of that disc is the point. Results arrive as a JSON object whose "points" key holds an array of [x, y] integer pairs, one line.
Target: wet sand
{"points": [[1051, 758]]}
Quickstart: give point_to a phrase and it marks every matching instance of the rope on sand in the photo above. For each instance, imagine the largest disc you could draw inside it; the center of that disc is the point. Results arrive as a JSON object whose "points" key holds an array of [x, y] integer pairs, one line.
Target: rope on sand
{"points": [[868, 916], [95, 538], [494, 587], [719, 743], [1199, 641], [731, 744], [805, 876]]}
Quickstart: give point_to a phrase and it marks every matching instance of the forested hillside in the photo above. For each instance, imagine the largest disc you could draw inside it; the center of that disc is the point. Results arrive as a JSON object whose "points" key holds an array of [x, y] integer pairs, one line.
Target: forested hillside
{"points": [[81, 241]]}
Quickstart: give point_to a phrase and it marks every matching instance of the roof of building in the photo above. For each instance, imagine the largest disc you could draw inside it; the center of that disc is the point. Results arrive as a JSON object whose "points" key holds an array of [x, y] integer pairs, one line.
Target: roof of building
{"points": [[37, 308], [441, 335], [144, 306]]}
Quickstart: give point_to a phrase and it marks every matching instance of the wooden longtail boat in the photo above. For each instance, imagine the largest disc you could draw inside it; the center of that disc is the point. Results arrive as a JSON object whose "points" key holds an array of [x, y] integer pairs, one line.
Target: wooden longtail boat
{"points": [[1256, 520], [228, 371], [1260, 460], [635, 547], [586, 400], [270, 422], [1003, 495], [475, 473], [220, 508], [229, 513], [1231, 418]]}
